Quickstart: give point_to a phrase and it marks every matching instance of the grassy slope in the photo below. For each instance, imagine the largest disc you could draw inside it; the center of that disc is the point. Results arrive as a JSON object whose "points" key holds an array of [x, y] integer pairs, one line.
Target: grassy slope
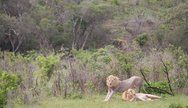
{"points": [[116, 102]]}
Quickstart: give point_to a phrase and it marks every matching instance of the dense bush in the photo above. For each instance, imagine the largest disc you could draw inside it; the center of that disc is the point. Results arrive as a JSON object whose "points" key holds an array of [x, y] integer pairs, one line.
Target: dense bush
{"points": [[181, 59], [8, 82], [142, 39], [156, 87], [47, 65]]}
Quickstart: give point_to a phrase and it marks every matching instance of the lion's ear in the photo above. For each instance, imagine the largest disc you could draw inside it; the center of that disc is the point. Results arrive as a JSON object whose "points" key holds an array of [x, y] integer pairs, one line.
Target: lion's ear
{"points": [[107, 78], [117, 78]]}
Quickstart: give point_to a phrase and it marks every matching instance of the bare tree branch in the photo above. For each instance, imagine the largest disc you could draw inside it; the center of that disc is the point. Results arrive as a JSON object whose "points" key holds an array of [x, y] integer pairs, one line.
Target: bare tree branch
{"points": [[167, 76], [154, 88], [86, 37]]}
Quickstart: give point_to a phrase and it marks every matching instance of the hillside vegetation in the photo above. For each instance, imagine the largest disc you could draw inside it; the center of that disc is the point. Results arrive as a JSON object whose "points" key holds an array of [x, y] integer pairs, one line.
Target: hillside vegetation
{"points": [[67, 48]]}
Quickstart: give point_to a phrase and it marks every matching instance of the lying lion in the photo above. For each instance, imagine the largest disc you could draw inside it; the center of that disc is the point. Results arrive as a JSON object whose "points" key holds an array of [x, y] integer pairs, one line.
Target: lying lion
{"points": [[116, 85], [131, 95]]}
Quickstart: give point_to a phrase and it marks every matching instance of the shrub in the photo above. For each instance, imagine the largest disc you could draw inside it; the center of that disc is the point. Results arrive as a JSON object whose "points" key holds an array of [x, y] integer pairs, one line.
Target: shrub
{"points": [[142, 39], [46, 65], [115, 2], [181, 59], [7, 82], [181, 81], [160, 85]]}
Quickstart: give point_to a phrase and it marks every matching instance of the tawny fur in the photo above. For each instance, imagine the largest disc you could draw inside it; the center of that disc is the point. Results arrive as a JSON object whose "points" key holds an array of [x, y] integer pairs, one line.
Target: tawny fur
{"points": [[116, 85], [131, 95], [128, 95]]}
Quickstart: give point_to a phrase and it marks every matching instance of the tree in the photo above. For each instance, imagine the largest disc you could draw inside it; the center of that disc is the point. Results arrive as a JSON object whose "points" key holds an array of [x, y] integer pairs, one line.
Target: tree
{"points": [[85, 23]]}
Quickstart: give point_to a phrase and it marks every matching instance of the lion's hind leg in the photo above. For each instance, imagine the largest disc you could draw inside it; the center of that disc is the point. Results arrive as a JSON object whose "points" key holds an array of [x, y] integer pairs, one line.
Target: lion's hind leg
{"points": [[152, 96]]}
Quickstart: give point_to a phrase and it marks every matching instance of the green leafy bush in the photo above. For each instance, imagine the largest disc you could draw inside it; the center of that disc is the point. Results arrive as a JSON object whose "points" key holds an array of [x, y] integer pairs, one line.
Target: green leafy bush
{"points": [[181, 81], [115, 2], [181, 59], [126, 62], [7, 82], [47, 65], [142, 39], [160, 85]]}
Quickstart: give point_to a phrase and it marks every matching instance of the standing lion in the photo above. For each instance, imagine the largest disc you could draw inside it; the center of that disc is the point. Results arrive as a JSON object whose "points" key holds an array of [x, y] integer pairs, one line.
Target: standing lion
{"points": [[116, 85]]}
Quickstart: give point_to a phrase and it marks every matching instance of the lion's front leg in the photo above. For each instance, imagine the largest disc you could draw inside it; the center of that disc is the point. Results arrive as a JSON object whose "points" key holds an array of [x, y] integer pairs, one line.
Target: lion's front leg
{"points": [[109, 95], [109, 91]]}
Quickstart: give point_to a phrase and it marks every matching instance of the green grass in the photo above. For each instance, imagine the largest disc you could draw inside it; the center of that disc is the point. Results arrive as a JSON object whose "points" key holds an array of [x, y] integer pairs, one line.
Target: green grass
{"points": [[115, 102]]}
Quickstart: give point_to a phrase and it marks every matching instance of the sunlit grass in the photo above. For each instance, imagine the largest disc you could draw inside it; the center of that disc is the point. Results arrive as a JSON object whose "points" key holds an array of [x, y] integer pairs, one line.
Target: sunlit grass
{"points": [[97, 102]]}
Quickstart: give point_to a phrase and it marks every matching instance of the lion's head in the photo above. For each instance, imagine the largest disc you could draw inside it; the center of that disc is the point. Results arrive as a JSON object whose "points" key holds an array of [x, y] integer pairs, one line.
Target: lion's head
{"points": [[129, 95], [131, 91], [112, 81]]}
